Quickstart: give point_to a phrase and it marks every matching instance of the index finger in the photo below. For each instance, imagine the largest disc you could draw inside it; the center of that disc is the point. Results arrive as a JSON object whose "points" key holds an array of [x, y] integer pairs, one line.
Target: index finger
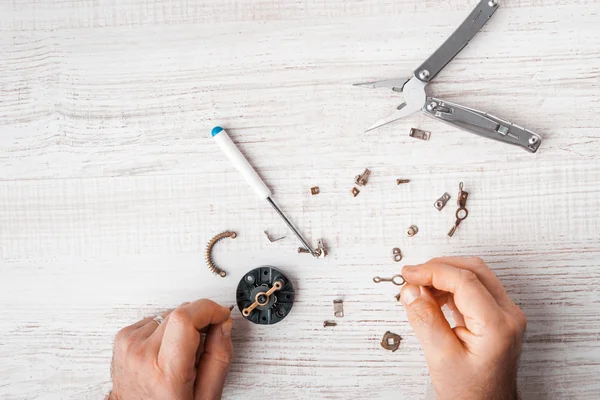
{"points": [[181, 335], [471, 298]]}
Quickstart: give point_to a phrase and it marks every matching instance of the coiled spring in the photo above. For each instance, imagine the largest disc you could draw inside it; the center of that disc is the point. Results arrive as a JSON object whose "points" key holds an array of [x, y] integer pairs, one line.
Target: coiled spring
{"points": [[208, 255]]}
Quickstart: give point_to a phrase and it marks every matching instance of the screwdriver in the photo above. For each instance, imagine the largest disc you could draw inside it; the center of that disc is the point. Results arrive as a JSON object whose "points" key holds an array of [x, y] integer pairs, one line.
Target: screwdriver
{"points": [[241, 164]]}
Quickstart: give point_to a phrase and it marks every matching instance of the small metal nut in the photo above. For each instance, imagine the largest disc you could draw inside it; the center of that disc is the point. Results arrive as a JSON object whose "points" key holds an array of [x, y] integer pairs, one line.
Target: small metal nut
{"points": [[391, 341], [314, 190], [355, 191], [412, 231]]}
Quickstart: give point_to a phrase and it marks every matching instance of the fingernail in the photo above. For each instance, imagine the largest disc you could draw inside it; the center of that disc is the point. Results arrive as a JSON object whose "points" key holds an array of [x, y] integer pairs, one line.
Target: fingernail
{"points": [[226, 327], [231, 308], [410, 294], [184, 304]]}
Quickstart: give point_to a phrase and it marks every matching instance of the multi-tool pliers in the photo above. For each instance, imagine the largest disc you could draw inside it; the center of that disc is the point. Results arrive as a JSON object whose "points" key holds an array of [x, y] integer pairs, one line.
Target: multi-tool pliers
{"points": [[465, 118]]}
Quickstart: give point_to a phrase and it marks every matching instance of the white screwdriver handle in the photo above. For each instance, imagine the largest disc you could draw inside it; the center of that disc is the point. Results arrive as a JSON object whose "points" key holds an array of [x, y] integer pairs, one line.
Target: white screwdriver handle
{"points": [[239, 161]]}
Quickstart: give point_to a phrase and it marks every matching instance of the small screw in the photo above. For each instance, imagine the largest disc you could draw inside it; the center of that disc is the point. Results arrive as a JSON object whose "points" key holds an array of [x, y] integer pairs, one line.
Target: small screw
{"points": [[401, 181], [431, 106], [533, 140], [493, 3], [303, 250], [249, 279], [424, 74], [329, 323]]}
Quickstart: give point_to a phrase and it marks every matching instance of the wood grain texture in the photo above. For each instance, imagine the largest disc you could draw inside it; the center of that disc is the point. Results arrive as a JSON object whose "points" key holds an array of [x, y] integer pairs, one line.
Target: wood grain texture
{"points": [[110, 185]]}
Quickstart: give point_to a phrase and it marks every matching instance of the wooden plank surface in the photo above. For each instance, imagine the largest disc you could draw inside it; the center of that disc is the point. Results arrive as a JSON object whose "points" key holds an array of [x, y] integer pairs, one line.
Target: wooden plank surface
{"points": [[110, 185]]}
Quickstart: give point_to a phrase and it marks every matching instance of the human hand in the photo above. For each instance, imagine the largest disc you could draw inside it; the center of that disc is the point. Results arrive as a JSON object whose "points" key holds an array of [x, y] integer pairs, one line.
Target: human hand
{"points": [[166, 361], [478, 358]]}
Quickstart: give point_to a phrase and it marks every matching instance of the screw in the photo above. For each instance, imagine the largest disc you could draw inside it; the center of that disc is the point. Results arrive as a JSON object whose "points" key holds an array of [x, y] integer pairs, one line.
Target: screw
{"points": [[533, 140], [249, 279], [329, 323], [401, 181], [493, 3], [280, 312], [303, 250], [424, 75], [431, 106]]}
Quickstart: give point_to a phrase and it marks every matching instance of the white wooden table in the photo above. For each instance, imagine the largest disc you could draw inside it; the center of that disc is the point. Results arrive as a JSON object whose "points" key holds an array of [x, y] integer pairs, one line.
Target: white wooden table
{"points": [[111, 185]]}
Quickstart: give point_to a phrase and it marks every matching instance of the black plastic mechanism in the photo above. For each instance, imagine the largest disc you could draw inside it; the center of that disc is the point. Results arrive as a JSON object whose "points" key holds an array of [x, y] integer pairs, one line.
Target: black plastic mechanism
{"points": [[269, 308]]}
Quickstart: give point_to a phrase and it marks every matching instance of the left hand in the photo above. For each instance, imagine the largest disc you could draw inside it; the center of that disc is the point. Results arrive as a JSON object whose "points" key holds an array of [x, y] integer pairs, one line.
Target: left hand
{"points": [[153, 361]]}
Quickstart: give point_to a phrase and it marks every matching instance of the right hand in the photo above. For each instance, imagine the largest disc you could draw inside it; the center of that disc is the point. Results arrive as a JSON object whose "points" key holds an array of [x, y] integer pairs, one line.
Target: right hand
{"points": [[477, 359]]}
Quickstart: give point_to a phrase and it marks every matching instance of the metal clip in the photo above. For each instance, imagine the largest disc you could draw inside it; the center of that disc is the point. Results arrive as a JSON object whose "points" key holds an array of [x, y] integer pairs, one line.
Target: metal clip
{"points": [[338, 308], [271, 239], [441, 202], [462, 196], [361, 180], [397, 254], [419, 134]]}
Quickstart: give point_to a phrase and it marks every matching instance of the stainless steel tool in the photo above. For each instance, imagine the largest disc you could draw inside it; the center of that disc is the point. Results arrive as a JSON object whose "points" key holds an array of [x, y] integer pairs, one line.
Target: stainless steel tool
{"points": [[468, 119], [256, 183]]}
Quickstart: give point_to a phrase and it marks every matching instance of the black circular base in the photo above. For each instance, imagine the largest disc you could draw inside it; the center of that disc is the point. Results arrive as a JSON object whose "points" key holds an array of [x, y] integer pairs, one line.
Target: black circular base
{"points": [[260, 280]]}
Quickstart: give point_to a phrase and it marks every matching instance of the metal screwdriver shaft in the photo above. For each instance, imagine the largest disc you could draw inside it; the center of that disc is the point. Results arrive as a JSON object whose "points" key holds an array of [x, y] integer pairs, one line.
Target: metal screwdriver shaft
{"points": [[291, 226], [256, 183]]}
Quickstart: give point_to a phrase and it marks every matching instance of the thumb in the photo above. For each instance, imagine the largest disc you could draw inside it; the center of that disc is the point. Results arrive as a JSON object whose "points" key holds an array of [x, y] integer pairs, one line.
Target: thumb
{"points": [[214, 362], [429, 324]]}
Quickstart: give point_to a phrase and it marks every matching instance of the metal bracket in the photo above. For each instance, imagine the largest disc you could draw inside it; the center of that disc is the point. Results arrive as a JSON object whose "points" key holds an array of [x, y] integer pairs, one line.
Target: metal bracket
{"points": [[338, 308], [361, 180], [441, 202], [419, 134]]}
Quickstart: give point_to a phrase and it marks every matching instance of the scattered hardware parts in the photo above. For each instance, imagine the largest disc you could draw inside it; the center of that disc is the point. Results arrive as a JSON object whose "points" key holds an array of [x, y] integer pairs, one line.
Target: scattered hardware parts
{"points": [[402, 181], [320, 251], [355, 191], [329, 323], [396, 254], [412, 231], [441, 202], [265, 295], [271, 239], [338, 308], [391, 341], [315, 190], [397, 280], [419, 134], [208, 252], [461, 213], [361, 180]]}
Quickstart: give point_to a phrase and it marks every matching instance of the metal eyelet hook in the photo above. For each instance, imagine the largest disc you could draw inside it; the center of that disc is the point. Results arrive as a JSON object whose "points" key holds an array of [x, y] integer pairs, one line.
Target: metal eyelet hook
{"points": [[397, 280]]}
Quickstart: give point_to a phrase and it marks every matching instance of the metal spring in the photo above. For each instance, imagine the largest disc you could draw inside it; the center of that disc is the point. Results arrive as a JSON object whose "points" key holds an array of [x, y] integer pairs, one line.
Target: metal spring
{"points": [[208, 256]]}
